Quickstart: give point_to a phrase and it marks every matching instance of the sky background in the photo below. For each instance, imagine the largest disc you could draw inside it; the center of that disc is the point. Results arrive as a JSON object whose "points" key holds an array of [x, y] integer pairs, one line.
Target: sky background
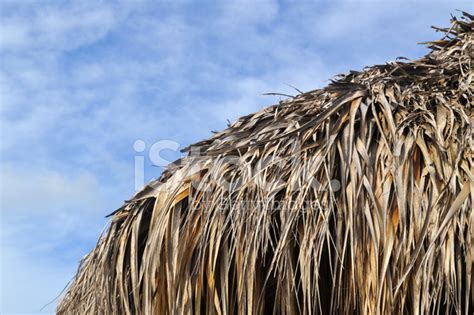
{"points": [[81, 82]]}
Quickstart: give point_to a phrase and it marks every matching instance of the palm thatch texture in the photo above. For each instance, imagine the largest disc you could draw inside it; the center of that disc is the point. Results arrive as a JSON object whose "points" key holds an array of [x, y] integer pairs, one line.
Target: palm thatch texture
{"points": [[354, 198]]}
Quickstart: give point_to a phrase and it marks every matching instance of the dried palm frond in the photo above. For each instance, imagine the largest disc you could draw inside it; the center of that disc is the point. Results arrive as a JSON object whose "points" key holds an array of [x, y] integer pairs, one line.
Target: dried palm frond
{"points": [[355, 198]]}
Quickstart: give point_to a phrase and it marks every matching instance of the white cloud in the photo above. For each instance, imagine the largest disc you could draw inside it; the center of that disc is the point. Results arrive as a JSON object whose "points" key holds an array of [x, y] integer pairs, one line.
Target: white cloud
{"points": [[56, 28], [236, 13], [30, 189], [13, 33], [49, 220], [53, 207]]}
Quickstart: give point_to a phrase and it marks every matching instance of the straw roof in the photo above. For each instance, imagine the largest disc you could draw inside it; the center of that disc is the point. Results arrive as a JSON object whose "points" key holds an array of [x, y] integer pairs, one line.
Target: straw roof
{"points": [[354, 198]]}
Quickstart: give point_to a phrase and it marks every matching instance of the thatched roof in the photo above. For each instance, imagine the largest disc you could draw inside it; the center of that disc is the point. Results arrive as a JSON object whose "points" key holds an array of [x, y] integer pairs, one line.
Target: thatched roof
{"points": [[354, 198]]}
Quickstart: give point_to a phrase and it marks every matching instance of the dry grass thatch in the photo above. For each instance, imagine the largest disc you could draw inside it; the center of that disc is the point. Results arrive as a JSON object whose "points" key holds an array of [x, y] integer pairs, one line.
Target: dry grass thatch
{"points": [[355, 198]]}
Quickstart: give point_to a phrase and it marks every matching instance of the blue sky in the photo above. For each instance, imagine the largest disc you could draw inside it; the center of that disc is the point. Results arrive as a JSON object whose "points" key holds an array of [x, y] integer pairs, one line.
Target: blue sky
{"points": [[81, 82]]}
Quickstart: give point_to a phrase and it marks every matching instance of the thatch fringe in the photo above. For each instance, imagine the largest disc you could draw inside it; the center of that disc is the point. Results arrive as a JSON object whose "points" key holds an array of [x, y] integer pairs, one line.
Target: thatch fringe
{"points": [[355, 198]]}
